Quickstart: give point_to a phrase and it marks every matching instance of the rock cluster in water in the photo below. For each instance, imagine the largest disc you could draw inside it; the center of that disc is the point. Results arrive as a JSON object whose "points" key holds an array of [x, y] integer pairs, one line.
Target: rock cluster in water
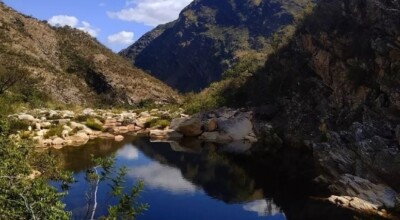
{"points": [[222, 126], [75, 129]]}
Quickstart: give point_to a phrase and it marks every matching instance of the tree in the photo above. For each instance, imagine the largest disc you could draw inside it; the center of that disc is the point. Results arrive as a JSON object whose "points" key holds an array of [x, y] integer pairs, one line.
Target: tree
{"points": [[12, 75], [127, 207], [23, 195]]}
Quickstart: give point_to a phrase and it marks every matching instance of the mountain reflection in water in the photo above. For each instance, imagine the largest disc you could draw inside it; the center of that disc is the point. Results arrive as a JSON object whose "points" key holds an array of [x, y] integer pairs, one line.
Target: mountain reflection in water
{"points": [[196, 180]]}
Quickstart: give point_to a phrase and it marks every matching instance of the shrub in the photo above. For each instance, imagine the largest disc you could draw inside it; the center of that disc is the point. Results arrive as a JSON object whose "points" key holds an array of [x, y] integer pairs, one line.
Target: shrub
{"points": [[18, 125], [54, 131], [94, 124], [22, 197], [159, 123]]}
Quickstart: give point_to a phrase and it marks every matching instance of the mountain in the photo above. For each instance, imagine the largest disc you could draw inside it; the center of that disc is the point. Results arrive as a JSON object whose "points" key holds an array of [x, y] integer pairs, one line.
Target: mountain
{"points": [[335, 89], [72, 67], [210, 36]]}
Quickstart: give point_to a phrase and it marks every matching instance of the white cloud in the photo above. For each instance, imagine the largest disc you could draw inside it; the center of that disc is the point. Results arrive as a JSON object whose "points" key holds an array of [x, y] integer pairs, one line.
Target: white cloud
{"points": [[66, 20], [163, 177], [88, 28], [102, 4], [123, 37], [263, 208], [130, 152], [63, 20], [150, 12]]}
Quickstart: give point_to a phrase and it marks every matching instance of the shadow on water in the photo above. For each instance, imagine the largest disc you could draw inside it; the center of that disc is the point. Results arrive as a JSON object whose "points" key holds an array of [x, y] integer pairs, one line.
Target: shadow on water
{"points": [[278, 182], [79, 158], [284, 177]]}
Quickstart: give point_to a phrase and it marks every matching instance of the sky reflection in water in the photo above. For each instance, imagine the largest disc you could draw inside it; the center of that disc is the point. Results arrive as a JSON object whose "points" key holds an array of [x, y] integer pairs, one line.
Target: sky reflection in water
{"points": [[170, 195]]}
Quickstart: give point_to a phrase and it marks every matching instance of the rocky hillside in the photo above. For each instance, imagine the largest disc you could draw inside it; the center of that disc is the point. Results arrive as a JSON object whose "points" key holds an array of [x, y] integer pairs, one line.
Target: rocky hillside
{"points": [[335, 89], [209, 36], [72, 67]]}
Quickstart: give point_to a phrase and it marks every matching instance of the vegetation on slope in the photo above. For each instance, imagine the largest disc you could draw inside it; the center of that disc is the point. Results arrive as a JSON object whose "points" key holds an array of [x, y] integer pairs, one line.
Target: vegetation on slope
{"points": [[212, 36], [72, 67]]}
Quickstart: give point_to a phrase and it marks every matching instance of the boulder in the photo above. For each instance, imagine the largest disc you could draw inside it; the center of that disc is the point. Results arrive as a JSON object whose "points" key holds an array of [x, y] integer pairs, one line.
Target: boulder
{"points": [[133, 128], [77, 139], [190, 127], [237, 127], [45, 142], [121, 130], [58, 142], [26, 117], [45, 124], [94, 135], [88, 111], [38, 127], [64, 121], [74, 125], [86, 130], [144, 114], [67, 114], [353, 203], [119, 138], [379, 195], [212, 125]]}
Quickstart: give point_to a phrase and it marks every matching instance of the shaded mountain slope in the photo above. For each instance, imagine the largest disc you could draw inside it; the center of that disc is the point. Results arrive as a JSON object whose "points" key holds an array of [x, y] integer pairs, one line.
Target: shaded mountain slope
{"points": [[335, 89], [209, 36]]}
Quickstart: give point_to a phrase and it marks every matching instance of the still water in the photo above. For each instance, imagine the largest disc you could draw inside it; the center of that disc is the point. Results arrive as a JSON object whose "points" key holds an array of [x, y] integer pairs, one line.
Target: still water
{"points": [[192, 180]]}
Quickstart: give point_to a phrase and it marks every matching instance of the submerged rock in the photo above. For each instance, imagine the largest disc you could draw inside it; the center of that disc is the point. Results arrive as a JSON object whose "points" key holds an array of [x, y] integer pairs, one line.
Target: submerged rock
{"points": [[165, 134]]}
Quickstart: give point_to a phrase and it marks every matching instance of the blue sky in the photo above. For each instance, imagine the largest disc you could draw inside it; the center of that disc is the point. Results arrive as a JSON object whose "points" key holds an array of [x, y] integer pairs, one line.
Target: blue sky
{"points": [[115, 23]]}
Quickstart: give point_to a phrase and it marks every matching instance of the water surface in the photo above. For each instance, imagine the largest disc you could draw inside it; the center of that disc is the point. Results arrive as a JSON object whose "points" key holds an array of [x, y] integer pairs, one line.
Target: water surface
{"points": [[197, 181]]}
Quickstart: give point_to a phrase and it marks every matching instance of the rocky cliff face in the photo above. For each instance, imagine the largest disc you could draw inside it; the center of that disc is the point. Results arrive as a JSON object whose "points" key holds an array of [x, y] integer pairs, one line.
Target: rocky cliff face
{"points": [[210, 36], [71, 66], [335, 90]]}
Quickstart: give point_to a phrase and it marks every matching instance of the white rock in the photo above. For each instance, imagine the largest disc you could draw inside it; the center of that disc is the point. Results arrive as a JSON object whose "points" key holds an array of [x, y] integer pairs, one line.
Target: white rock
{"points": [[45, 124], [58, 141], [77, 125], [88, 111], [237, 128], [26, 117], [145, 114]]}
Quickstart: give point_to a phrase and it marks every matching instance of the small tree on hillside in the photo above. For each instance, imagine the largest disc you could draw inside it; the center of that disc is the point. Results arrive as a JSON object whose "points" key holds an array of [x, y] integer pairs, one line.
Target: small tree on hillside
{"points": [[11, 76]]}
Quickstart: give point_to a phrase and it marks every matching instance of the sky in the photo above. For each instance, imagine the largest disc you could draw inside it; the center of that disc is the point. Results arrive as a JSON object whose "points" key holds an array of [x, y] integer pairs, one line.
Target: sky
{"points": [[115, 23]]}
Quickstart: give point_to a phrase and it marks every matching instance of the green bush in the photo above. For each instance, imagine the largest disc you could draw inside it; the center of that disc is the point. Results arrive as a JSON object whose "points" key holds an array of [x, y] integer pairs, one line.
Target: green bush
{"points": [[159, 123], [18, 125], [22, 197], [54, 131], [94, 124]]}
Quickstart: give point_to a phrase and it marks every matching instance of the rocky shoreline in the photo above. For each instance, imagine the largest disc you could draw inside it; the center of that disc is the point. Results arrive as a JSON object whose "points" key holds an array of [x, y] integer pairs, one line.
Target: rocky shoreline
{"points": [[236, 129], [57, 129]]}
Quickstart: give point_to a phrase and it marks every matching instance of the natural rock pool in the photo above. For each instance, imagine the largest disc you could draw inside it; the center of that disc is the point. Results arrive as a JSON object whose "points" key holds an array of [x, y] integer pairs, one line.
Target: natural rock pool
{"points": [[196, 180]]}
